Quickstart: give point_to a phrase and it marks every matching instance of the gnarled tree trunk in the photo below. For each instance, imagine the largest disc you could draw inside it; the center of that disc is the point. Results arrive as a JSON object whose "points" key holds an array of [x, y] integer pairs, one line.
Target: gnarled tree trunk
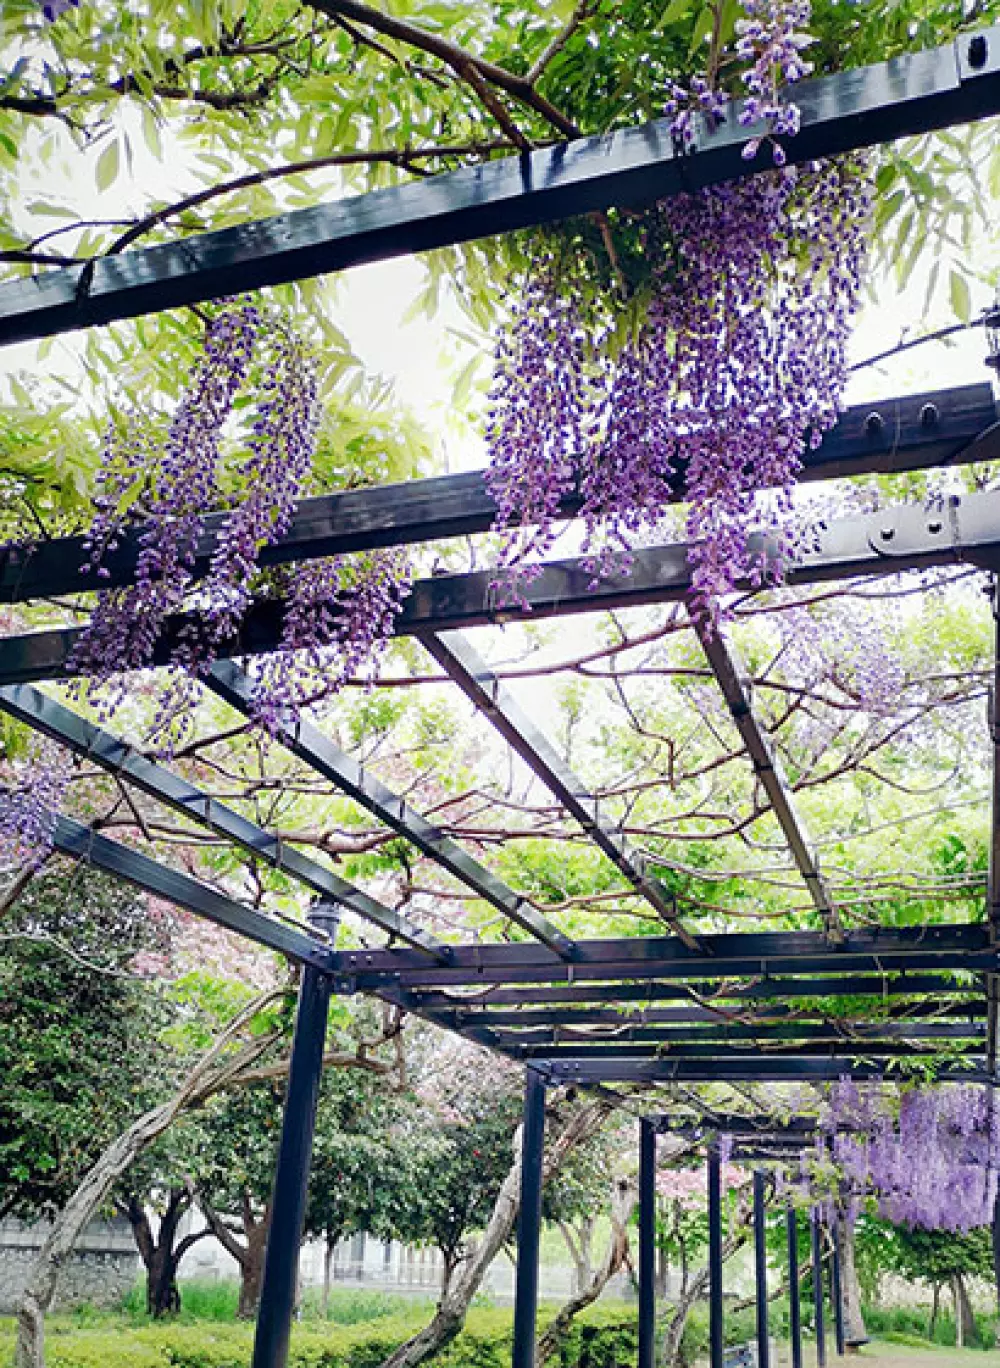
{"points": [[454, 1304], [206, 1078], [623, 1199]]}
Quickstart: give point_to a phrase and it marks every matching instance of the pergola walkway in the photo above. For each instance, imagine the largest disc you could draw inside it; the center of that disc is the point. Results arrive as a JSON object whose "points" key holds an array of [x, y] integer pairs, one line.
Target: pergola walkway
{"points": [[538, 1000]]}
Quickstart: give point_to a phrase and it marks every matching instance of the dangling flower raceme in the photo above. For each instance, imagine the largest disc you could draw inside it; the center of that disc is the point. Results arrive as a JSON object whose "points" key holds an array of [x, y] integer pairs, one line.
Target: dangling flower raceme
{"points": [[340, 615], [738, 363], [32, 790], [182, 479]]}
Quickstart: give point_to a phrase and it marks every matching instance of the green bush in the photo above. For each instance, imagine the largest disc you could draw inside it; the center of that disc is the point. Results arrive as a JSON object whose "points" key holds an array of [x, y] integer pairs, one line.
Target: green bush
{"points": [[602, 1338]]}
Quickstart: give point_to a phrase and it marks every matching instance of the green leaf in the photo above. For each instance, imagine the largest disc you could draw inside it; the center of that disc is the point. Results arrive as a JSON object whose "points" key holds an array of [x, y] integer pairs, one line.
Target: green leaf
{"points": [[706, 21], [961, 297], [107, 166], [675, 11]]}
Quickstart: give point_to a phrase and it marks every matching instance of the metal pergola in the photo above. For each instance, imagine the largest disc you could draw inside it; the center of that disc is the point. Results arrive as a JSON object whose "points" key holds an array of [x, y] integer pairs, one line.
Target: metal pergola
{"points": [[588, 1013]]}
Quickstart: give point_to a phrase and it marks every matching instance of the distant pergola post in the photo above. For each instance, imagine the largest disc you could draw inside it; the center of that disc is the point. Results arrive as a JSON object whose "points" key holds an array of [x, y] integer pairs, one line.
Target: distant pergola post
{"points": [[529, 1221], [647, 1244]]}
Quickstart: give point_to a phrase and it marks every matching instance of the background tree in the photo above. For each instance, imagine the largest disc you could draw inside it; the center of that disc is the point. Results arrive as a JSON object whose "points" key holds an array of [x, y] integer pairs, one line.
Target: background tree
{"points": [[81, 1030]]}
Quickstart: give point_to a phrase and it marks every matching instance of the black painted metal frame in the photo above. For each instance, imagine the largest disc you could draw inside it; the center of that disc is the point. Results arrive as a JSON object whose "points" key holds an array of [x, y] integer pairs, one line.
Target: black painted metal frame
{"points": [[543, 986]]}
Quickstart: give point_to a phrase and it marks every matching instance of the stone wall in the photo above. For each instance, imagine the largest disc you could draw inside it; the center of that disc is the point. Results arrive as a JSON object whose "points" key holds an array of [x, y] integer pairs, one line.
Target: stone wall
{"points": [[102, 1268]]}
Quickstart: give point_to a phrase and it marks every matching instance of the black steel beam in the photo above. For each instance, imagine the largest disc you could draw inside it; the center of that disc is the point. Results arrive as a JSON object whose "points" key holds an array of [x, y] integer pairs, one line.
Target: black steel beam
{"points": [[877, 985], [309, 745], [908, 432], [735, 685], [967, 531], [84, 843], [719, 956], [740, 1127], [759, 1069], [291, 1177], [622, 1019], [578, 1051], [83, 738], [908, 95], [479, 684], [410, 979], [860, 1039]]}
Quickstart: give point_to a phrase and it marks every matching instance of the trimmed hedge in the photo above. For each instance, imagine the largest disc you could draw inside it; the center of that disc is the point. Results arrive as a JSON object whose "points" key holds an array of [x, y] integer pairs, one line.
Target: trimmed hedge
{"points": [[601, 1338]]}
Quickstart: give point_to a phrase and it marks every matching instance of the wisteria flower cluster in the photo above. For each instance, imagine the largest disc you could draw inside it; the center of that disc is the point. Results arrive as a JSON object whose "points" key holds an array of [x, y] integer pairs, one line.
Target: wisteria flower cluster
{"points": [[737, 363], [772, 38], [339, 611], [31, 793], [340, 616], [931, 1163]]}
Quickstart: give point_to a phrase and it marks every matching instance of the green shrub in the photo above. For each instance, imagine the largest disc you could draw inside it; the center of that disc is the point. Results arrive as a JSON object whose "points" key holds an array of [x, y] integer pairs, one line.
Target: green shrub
{"points": [[602, 1338]]}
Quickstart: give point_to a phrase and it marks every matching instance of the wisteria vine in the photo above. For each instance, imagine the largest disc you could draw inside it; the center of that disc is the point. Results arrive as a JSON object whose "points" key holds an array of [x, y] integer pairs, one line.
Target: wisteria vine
{"points": [[338, 613], [32, 789], [736, 365], [931, 1161]]}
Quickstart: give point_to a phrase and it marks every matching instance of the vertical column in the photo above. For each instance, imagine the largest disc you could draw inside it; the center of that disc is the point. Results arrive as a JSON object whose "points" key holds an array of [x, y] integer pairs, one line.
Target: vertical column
{"points": [[760, 1268], [529, 1221], [817, 1280], [647, 1244], [794, 1308], [291, 1178], [715, 1330], [836, 1296]]}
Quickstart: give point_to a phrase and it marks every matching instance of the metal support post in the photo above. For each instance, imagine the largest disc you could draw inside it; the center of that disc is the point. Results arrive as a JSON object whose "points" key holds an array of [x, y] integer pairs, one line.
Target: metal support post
{"points": [[291, 1179], [836, 1296], [794, 1309], [817, 1279], [529, 1221], [715, 1333], [647, 1244], [760, 1267]]}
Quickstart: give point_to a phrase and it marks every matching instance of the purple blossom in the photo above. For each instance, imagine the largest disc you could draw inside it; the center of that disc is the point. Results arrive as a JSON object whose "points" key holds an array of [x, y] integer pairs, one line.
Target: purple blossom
{"points": [[31, 794]]}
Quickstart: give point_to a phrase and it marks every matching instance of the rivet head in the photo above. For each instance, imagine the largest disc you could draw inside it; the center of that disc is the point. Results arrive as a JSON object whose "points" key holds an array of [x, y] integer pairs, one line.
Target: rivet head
{"points": [[978, 50], [929, 415], [874, 424], [935, 527], [888, 533]]}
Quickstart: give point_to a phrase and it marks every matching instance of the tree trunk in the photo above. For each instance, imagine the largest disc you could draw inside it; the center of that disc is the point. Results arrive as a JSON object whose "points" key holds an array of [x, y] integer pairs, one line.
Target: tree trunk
{"points": [[965, 1319], [160, 1257], [331, 1245], [206, 1078], [697, 1287], [850, 1290], [579, 1243], [935, 1308], [453, 1306], [623, 1199], [249, 1256], [252, 1271]]}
